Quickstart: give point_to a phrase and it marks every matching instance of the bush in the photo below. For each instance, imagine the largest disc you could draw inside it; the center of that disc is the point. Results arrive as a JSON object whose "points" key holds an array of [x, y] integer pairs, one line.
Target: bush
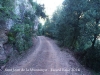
{"points": [[21, 36], [92, 59], [11, 38]]}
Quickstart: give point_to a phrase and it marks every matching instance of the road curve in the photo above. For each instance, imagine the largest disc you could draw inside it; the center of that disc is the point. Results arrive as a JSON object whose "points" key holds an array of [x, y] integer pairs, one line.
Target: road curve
{"points": [[47, 59]]}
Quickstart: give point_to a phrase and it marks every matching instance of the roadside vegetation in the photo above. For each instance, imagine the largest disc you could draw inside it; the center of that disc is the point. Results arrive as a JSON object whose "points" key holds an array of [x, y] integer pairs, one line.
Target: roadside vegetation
{"points": [[76, 25], [20, 35]]}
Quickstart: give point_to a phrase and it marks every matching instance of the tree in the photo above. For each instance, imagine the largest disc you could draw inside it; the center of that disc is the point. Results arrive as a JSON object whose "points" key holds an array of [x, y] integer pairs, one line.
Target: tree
{"points": [[78, 28], [6, 9], [40, 31], [39, 9]]}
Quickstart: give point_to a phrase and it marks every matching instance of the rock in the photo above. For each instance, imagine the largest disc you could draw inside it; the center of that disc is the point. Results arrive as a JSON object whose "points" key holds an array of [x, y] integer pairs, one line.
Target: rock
{"points": [[8, 49], [3, 40], [2, 54], [2, 57], [2, 24], [3, 67], [3, 37]]}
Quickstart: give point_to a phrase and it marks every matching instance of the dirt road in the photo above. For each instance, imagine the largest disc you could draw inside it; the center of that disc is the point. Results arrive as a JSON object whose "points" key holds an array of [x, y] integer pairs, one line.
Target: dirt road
{"points": [[47, 59]]}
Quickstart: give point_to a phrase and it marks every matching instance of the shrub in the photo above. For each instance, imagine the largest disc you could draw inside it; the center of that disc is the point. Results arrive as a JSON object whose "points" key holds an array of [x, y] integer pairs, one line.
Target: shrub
{"points": [[20, 36], [92, 59]]}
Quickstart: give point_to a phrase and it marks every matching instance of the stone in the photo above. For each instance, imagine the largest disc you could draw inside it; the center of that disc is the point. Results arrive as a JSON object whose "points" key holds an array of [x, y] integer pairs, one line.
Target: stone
{"points": [[3, 67], [2, 54], [3, 37], [8, 49], [3, 40]]}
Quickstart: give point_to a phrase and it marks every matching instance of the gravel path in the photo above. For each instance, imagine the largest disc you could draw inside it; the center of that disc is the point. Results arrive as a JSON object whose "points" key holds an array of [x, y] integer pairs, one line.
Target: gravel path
{"points": [[47, 59]]}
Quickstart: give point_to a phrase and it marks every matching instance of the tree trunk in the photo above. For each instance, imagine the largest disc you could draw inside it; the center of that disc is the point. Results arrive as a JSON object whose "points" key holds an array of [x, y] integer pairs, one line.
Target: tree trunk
{"points": [[96, 34], [93, 42], [76, 31]]}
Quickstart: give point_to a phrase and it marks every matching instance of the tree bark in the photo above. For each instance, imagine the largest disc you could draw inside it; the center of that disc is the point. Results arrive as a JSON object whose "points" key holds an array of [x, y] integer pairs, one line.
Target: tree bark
{"points": [[93, 42], [96, 34]]}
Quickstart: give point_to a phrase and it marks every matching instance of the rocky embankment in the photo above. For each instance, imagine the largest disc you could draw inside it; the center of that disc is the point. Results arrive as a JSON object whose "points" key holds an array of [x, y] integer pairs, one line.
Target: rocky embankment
{"points": [[3, 40]]}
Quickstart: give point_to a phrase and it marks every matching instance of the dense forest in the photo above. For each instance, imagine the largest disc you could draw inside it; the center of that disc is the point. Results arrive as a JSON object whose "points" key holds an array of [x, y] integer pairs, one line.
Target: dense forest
{"points": [[76, 25]]}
